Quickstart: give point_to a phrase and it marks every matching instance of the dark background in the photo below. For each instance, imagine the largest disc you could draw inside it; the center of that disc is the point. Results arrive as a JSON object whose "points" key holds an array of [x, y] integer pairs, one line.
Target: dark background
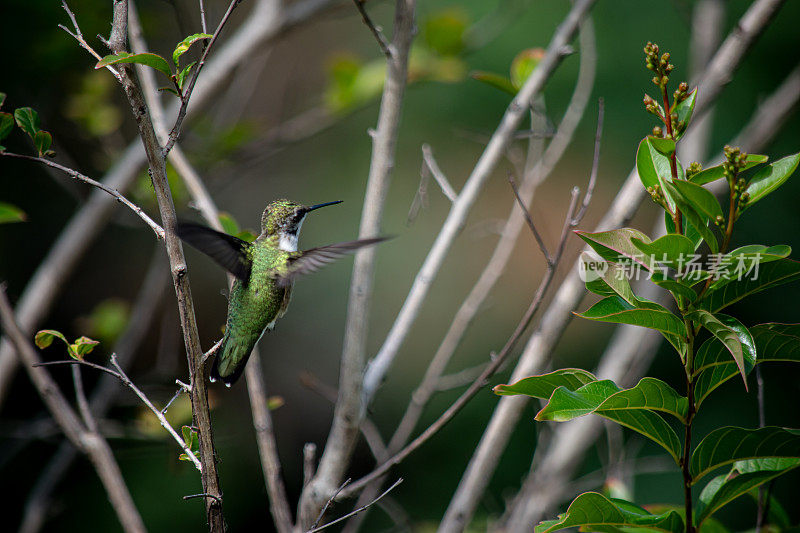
{"points": [[43, 68]]}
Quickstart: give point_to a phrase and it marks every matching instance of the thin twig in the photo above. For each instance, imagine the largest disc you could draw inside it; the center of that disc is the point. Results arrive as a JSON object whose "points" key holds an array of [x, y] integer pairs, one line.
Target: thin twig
{"points": [[78, 36], [187, 94], [203, 17], [529, 220], [328, 503], [203, 495], [356, 511], [595, 163], [382, 42], [125, 380], [438, 175], [80, 398], [158, 230]]}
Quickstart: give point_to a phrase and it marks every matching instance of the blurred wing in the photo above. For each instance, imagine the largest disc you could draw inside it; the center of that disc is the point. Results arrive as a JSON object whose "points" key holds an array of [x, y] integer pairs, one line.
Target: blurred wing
{"points": [[315, 258], [229, 252]]}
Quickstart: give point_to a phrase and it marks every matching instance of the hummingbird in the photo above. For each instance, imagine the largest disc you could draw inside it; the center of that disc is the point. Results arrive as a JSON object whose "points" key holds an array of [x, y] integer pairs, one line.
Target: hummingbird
{"points": [[264, 272]]}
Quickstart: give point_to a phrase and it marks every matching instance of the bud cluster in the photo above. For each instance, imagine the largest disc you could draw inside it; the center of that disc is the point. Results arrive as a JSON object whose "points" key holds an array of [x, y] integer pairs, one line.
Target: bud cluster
{"points": [[681, 93], [657, 195], [659, 65], [735, 161], [651, 106], [693, 169]]}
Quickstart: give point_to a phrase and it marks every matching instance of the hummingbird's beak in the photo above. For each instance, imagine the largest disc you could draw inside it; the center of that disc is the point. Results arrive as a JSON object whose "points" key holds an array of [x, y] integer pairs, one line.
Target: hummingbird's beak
{"points": [[322, 205]]}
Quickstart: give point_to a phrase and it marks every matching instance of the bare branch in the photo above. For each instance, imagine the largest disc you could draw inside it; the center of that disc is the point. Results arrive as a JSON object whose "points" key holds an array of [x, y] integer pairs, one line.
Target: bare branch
{"points": [[382, 42], [595, 164], [379, 366], [355, 512], [203, 17], [348, 411], [158, 230], [328, 503], [92, 444], [80, 399]]}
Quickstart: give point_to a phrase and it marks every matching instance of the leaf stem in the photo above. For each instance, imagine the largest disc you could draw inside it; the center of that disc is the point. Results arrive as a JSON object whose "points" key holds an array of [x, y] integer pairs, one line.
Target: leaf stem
{"points": [[673, 158]]}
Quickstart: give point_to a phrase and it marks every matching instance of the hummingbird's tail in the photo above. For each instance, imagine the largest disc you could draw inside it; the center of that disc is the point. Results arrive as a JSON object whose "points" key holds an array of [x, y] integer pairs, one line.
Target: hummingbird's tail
{"points": [[231, 358]]}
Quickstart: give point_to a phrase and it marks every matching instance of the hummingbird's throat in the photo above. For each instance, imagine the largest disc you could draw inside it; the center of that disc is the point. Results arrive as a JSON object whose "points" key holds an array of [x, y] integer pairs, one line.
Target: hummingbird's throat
{"points": [[288, 237]]}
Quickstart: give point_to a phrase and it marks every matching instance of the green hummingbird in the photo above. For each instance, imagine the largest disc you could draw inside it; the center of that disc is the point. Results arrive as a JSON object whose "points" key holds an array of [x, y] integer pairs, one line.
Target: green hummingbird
{"points": [[265, 271]]}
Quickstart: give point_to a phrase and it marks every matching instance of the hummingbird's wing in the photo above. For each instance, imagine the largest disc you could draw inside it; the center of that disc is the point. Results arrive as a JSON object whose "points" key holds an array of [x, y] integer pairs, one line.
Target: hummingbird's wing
{"points": [[231, 253], [313, 259]]}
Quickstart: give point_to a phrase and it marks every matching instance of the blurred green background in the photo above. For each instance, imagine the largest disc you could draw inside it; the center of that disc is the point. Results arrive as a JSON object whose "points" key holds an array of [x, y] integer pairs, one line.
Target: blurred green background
{"points": [[43, 68]]}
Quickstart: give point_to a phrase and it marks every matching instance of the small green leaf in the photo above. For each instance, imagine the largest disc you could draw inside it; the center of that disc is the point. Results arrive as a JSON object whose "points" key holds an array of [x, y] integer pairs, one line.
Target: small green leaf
{"points": [[717, 172], [444, 30], [82, 346], [767, 276], [229, 224], [44, 338], [733, 334], [185, 44], [671, 249], [595, 512], [544, 385], [744, 477], [275, 402], [664, 145], [770, 177], [523, 65], [617, 245], [170, 90], [147, 59], [495, 80], [648, 315], [2, 99], [713, 364], [701, 199], [632, 408], [684, 111], [698, 220], [11, 213], [730, 444], [6, 124], [654, 168], [28, 120], [183, 73], [42, 140]]}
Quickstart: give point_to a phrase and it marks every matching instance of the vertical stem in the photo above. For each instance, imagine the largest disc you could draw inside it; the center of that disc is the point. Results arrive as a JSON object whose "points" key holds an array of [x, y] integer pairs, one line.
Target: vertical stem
{"points": [[687, 439], [673, 159]]}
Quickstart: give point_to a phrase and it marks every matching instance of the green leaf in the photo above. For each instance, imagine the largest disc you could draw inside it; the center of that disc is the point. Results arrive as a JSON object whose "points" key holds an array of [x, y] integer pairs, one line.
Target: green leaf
{"points": [[654, 168], [745, 476], [593, 510], [700, 198], [185, 44], [718, 172], [745, 259], [768, 275], [170, 90], [147, 59], [649, 315], [42, 140], [11, 213], [730, 444], [676, 288], [671, 249], [543, 386], [770, 177], [444, 30], [82, 346], [523, 64], [28, 120], [2, 99], [192, 442], [684, 111], [617, 245], [495, 80], [632, 408], [664, 145], [183, 73], [6, 124], [229, 224], [713, 365], [733, 335], [44, 338], [698, 220]]}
